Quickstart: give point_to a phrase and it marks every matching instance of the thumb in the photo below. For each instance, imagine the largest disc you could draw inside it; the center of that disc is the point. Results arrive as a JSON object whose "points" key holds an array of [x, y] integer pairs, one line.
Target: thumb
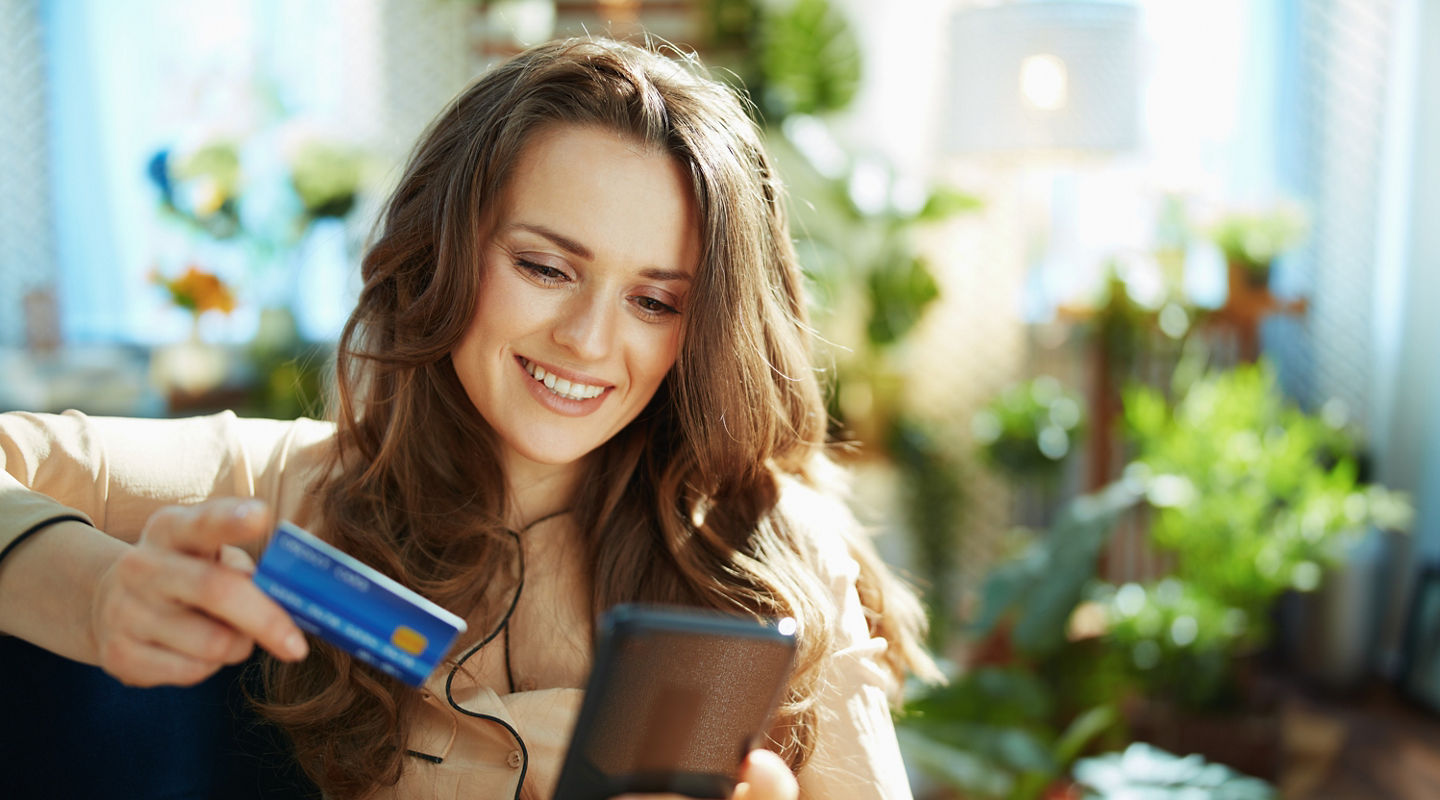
{"points": [[766, 776], [206, 528]]}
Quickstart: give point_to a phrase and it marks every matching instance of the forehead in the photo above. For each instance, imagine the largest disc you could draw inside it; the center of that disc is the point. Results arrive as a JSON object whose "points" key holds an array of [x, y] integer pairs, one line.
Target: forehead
{"points": [[621, 198]]}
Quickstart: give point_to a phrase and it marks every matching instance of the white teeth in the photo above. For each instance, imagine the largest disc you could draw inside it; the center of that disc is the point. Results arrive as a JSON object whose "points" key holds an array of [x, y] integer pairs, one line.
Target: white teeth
{"points": [[561, 386]]}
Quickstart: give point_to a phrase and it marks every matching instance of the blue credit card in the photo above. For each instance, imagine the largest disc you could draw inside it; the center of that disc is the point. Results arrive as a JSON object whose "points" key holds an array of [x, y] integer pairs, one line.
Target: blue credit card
{"points": [[336, 597]]}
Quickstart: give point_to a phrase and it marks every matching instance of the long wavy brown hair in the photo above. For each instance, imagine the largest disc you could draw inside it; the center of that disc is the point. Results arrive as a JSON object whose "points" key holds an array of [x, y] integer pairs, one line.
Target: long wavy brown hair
{"points": [[680, 507]]}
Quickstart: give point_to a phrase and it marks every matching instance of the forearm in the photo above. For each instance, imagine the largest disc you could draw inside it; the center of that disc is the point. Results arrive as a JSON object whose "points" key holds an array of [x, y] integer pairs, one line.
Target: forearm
{"points": [[48, 583]]}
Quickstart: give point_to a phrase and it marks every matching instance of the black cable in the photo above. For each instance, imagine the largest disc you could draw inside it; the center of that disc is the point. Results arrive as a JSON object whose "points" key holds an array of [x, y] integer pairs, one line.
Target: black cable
{"points": [[503, 627]]}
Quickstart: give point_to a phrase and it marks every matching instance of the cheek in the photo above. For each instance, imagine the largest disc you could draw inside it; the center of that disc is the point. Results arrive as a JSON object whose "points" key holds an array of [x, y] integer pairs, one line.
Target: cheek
{"points": [[652, 354], [501, 310], [472, 341], [665, 356]]}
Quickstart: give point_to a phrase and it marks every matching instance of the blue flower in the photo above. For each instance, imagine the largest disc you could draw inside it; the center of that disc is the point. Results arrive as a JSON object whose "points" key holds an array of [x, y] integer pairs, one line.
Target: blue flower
{"points": [[158, 171]]}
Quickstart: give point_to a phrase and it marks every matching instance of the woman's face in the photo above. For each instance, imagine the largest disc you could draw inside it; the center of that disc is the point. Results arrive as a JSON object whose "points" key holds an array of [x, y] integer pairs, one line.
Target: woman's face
{"points": [[586, 278]]}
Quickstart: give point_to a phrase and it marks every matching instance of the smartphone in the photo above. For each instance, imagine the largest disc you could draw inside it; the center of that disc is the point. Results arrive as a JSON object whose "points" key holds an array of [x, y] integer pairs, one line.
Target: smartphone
{"points": [[675, 700]]}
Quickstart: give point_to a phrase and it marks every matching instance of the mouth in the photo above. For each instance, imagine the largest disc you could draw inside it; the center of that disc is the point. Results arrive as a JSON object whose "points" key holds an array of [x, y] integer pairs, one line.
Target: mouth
{"points": [[561, 387]]}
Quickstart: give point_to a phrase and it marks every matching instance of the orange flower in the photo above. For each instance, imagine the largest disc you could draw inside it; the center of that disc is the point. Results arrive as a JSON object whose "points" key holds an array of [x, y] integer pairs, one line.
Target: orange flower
{"points": [[197, 291]]}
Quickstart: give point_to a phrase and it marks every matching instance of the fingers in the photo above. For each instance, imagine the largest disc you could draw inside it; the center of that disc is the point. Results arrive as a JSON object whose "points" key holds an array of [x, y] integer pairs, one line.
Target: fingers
{"points": [[194, 636], [229, 596], [204, 529], [181, 603], [172, 646], [144, 666], [237, 559], [766, 776], [763, 776], [224, 590]]}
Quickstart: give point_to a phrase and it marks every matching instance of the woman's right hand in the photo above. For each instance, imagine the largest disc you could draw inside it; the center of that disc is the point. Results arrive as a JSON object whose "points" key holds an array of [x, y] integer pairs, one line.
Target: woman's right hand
{"points": [[180, 604]]}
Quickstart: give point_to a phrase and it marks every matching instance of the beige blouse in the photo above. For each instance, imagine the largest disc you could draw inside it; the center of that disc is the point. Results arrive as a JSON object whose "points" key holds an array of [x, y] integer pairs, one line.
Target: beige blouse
{"points": [[115, 472]]}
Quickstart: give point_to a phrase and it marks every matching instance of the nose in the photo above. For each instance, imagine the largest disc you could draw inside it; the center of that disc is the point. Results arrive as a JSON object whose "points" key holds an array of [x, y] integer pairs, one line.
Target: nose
{"points": [[587, 326]]}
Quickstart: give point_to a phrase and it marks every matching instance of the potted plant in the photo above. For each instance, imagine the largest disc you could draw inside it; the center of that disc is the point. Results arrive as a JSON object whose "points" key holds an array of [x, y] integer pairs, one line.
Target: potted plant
{"points": [[1029, 430], [192, 367], [1033, 696], [1146, 771], [999, 732], [1252, 239], [1251, 497]]}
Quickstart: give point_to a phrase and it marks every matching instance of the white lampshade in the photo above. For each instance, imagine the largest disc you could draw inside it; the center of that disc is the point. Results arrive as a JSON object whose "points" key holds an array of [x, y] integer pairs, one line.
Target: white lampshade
{"points": [[1045, 75]]}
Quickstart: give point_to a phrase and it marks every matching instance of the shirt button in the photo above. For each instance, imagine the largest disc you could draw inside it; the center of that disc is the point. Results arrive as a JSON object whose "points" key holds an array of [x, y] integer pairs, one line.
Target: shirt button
{"points": [[514, 759]]}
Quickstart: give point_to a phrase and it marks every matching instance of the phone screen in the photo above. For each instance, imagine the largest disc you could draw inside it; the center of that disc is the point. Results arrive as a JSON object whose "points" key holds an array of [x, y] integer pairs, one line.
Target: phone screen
{"points": [[675, 700]]}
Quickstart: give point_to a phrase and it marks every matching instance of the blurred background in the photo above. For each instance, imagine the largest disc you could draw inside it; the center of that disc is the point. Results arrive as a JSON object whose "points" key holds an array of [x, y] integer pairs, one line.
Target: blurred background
{"points": [[1126, 309]]}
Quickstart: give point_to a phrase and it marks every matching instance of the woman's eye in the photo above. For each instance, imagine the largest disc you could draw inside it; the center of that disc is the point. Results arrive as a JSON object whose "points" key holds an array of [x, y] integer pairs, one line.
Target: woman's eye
{"points": [[546, 274], [654, 307]]}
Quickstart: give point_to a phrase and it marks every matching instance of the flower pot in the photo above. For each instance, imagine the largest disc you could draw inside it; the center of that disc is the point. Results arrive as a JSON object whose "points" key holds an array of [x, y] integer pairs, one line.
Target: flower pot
{"points": [[191, 367], [1248, 277], [1329, 635], [1245, 739]]}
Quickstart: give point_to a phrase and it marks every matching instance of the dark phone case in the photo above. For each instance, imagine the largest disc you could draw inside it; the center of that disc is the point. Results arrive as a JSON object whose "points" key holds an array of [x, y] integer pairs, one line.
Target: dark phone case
{"points": [[675, 700]]}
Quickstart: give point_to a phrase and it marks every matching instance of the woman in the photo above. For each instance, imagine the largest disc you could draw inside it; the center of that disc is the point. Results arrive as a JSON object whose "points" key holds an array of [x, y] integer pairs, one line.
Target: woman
{"points": [[578, 374]]}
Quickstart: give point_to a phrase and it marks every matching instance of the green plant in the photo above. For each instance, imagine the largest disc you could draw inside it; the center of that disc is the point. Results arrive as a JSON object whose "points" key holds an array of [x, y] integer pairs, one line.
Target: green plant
{"points": [[1010, 727], [289, 372], [858, 228], [327, 178], [1029, 430], [1143, 771], [857, 225], [794, 56], [200, 188], [935, 504], [1252, 496], [872, 287], [1253, 239], [1035, 593], [994, 734], [1179, 640]]}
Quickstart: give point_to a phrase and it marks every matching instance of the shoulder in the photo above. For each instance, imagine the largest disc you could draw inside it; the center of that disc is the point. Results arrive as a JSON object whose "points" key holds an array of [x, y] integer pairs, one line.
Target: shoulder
{"points": [[298, 435], [222, 426], [818, 512], [286, 450], [246, 443]]}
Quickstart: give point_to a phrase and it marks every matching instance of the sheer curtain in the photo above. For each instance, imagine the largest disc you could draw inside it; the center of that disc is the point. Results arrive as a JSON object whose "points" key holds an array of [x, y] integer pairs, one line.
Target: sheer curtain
{"points": [[128, 79], [1406, 423], [27, 246], [1359, 140]]}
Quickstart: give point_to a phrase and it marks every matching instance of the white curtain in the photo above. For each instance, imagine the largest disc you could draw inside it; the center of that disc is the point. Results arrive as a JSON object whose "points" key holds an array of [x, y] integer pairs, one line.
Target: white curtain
{"points": [[127, 79], [27, 245], [1359, 141], [1407, 354]]}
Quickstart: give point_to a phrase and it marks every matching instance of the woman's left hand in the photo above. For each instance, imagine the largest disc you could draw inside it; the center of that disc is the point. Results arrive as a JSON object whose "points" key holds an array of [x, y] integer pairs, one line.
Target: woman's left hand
{"points": [[766, 776], [763, 776]]}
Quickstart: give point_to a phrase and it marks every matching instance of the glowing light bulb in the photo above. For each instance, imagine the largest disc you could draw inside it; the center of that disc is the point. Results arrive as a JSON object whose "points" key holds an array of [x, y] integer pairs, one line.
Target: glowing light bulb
{"points": [[1044, 82]]}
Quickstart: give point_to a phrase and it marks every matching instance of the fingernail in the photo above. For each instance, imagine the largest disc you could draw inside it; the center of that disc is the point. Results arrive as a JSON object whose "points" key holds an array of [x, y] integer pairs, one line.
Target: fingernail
{"points": [[248, 509], [295, 646]]}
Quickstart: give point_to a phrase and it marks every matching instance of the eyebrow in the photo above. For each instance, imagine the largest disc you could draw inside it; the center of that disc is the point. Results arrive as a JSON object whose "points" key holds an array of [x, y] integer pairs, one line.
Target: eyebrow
{"points": [[564, 242], [575, 248]]}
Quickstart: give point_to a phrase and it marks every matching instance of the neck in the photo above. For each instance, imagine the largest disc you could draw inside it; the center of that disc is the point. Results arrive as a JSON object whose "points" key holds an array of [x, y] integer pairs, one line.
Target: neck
{"points": [[539, 490]]}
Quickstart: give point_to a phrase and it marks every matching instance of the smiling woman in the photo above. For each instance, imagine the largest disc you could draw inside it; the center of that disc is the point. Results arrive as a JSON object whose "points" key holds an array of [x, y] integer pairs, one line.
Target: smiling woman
{"points": [[578, 375], [578, 319]]}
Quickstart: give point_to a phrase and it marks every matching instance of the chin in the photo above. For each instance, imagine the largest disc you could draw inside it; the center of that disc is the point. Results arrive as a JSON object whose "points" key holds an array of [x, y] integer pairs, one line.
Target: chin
{"points": [[557, 456]]}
